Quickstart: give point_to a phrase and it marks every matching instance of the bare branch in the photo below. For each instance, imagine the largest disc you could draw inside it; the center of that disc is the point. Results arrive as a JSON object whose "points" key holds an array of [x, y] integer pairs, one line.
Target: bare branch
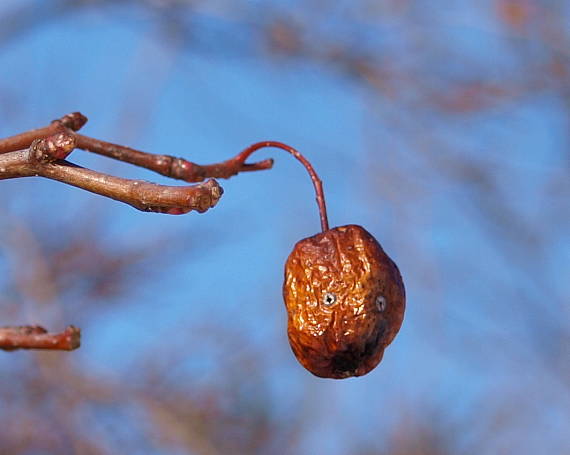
{"points": [[170, 166], [43, 159], [42, 153], [36, 337], [167, 165]]}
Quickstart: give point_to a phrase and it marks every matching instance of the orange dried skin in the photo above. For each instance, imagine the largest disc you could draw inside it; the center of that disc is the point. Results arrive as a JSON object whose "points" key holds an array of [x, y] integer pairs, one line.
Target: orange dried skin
{"points": [[345, 301]]}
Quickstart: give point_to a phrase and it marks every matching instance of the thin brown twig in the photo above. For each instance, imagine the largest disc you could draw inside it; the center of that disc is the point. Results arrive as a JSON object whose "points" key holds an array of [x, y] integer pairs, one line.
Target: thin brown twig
{"points": [[42, 153], [167, 165], [36, 337], [43, 159], [170, 166]]}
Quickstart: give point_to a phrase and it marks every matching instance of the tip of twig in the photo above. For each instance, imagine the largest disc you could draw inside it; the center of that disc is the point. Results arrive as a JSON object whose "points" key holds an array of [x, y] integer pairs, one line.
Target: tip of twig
{"points": [[259, 165], [36, 337], [71, 338], [209, 197], [73, 121], [178, 200]]}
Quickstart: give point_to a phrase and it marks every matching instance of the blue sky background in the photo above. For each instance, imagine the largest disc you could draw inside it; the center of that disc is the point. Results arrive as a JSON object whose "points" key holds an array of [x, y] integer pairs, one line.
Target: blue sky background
{"points": [[470, 344]]}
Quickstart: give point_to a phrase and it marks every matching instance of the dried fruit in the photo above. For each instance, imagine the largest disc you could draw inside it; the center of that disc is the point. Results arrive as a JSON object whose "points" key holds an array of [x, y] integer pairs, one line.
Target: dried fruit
{"points": [[345, 300], [345, 297]]}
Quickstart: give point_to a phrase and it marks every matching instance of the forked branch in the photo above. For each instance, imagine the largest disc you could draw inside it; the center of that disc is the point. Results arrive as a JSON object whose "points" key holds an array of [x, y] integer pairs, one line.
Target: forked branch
{"points": [[167, 165], [44, 158], [42, 152]]}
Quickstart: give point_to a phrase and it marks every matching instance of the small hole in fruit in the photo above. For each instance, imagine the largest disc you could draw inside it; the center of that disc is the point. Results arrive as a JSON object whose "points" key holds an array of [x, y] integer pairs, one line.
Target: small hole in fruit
{"points": [[329, 299], [381, 303]]}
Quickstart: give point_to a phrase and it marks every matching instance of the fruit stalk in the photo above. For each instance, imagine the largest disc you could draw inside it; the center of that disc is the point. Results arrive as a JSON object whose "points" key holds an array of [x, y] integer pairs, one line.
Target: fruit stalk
{"points": [[317, 183]]}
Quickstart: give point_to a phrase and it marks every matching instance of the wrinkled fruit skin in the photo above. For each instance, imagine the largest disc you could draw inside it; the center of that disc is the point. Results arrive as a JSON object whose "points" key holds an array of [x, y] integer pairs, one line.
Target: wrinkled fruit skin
{"points": [[345, 301]]}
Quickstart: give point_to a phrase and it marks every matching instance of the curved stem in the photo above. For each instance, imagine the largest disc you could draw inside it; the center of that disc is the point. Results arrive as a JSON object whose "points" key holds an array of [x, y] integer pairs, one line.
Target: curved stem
{"points": [[317, 183]]}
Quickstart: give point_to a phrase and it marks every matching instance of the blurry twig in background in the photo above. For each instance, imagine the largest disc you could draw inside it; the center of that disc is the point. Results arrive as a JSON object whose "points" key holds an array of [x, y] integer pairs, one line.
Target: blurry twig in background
{"points": [[36, 337]]}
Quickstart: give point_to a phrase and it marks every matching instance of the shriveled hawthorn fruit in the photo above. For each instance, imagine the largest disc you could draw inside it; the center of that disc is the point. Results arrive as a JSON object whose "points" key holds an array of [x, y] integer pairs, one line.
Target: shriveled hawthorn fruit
{"points": [[345, 300], [345, 297]]}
